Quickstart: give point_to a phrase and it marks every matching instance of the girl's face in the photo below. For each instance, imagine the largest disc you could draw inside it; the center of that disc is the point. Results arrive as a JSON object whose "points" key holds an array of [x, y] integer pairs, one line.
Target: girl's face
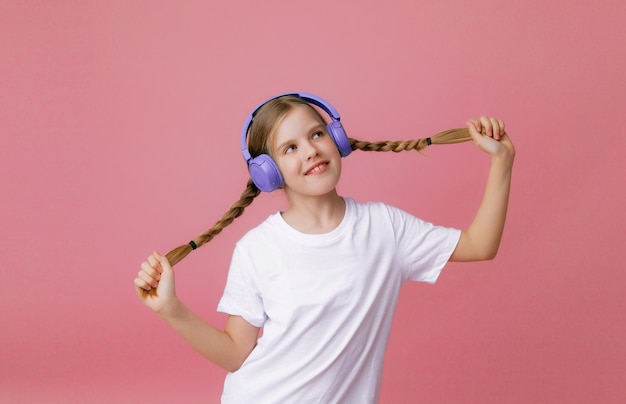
{"points": [[305, 154]]}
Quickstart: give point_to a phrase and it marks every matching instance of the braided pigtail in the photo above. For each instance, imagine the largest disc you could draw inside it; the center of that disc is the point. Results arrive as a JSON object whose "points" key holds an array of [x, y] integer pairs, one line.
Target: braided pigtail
{"points": [[450, 136], [236, 210]]}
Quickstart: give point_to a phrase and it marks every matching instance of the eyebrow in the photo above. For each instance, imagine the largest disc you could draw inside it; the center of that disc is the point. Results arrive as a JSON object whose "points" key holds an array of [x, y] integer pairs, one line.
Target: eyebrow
{"points": [[315, 128]]}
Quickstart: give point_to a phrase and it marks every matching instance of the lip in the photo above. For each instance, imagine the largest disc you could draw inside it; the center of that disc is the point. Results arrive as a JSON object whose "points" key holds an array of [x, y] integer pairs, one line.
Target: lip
{"points": [[321, 164]]}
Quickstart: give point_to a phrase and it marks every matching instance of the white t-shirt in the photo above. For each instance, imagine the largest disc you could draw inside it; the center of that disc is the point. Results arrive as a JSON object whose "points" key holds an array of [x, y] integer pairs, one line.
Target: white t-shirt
{"points": [[326, 302]]}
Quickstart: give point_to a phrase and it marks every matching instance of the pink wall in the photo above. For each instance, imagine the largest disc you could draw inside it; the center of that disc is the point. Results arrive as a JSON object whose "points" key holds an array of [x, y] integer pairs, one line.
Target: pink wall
{"points": [[120, 123]]}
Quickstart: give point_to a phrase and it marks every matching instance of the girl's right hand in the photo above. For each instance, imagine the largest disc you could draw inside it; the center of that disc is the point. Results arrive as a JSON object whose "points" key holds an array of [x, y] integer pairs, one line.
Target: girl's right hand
{"points": [[156, 274]]}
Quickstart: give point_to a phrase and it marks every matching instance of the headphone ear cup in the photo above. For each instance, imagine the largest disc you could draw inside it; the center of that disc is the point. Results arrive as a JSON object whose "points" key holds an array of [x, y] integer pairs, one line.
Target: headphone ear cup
{"points": [[265, 173], [336, 132]]}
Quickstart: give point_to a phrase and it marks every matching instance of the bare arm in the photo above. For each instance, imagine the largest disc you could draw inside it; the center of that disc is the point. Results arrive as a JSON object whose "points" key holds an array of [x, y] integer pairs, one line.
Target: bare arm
{"points": [[481, 240], [226, 348]]}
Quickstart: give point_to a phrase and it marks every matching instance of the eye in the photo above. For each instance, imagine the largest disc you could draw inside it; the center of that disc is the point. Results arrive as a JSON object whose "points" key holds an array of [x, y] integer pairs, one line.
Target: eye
{"points": [[318, 134], [289, 148]]}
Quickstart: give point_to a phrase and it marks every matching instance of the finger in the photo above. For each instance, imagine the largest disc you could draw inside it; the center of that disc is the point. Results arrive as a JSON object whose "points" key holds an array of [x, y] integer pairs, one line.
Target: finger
{"points": [[164, 263], [495, 128], [150, 269], [475, 123], [149, 274], [474, 129], [141, 284], [154, 263], [147, 279], [502, 130], [487, 126]]}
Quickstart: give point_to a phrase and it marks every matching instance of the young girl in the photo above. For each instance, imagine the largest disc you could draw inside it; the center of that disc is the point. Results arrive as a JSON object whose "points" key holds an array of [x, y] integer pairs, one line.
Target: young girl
{"points": [[321, 278]]}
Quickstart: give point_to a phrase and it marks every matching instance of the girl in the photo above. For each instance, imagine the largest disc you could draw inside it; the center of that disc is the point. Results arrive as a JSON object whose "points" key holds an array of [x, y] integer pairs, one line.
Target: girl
{"points": [[321, 278]]}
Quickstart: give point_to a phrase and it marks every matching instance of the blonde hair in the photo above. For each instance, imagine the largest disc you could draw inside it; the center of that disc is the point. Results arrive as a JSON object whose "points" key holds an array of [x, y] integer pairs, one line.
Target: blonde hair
{"points": [[265, 122]]}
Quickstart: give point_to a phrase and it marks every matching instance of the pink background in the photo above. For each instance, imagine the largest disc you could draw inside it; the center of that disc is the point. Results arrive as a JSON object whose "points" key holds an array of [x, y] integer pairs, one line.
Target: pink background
{"points": [[120, 134]]}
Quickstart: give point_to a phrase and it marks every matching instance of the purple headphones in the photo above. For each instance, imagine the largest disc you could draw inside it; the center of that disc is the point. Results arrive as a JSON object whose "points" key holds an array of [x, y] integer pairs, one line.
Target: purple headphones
{"points": [[263, 170]]}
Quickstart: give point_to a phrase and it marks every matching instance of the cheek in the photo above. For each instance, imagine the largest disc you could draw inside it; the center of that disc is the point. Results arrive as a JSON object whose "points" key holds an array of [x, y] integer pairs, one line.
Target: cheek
{"points": [[285, 164], [332, 149]]}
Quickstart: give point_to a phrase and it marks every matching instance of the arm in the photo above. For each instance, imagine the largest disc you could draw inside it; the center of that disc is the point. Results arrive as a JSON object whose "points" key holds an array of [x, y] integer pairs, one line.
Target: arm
{"points": [[481, 240], [226, 348]]}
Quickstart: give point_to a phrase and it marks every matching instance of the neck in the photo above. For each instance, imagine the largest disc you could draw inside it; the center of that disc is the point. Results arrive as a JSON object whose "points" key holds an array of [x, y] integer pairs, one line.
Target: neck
{"points": [[315, 215]]}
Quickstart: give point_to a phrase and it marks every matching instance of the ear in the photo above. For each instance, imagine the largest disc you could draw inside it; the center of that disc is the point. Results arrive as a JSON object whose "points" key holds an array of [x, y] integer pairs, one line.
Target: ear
{"points": [[338, 134], [265, 173]]}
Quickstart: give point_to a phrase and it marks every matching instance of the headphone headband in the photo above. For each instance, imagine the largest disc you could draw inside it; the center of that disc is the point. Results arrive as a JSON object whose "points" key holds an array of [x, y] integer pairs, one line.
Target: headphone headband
{"points": [[313, 99]]}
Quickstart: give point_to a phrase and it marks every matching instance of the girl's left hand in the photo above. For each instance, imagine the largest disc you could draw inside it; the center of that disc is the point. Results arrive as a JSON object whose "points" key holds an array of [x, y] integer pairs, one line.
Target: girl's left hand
{"points": [[489, 135]]}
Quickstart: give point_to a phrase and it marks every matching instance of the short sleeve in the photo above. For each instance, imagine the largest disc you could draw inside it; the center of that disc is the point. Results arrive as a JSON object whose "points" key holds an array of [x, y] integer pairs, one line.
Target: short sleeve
{"points": [[241, 295], [424, 248]]}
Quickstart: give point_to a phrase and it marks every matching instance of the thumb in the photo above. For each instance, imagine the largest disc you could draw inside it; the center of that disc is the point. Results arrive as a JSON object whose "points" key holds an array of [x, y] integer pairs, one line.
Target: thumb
{"points": [[166, 283], [474, 129], [164, 263]]}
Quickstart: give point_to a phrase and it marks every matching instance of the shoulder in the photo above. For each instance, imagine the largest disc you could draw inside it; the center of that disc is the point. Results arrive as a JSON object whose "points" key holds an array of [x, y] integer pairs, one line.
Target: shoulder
{"points": [[262, 233], [375, 209], [380, 215]]}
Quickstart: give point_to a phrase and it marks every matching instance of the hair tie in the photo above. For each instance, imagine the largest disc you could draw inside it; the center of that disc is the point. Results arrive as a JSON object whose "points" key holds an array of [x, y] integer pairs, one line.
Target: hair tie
{"points": [[428, 141], [193, 245]]}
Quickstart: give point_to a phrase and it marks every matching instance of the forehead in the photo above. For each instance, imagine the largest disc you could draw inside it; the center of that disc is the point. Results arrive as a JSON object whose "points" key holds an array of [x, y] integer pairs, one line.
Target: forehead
{"points": [[299, 120]]}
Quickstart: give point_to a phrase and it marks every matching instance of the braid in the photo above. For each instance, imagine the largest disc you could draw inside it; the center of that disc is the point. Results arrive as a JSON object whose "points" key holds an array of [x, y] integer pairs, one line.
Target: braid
{"points": [[446, 137], [251, 191], [177, 254], [237, 208]]}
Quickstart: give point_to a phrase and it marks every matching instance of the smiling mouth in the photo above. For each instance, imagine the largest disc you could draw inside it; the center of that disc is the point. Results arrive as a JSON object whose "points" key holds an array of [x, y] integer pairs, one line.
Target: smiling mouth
{"points": [[317, 169]]}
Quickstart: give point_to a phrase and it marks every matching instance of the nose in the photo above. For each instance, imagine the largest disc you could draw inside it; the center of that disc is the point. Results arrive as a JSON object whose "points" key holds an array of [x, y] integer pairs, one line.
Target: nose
{"points": [[310, 151]]}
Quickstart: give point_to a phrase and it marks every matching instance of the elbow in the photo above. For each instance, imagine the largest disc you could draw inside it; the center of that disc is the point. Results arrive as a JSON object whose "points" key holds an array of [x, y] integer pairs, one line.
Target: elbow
{"points": [[488, 251], [232, 365], [488, 254], [475, 247], [489, 257], [232, 369]]}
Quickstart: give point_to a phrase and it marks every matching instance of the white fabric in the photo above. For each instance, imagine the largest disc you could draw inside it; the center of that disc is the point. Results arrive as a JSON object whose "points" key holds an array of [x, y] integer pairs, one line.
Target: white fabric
{"points": [[326, 302]]}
